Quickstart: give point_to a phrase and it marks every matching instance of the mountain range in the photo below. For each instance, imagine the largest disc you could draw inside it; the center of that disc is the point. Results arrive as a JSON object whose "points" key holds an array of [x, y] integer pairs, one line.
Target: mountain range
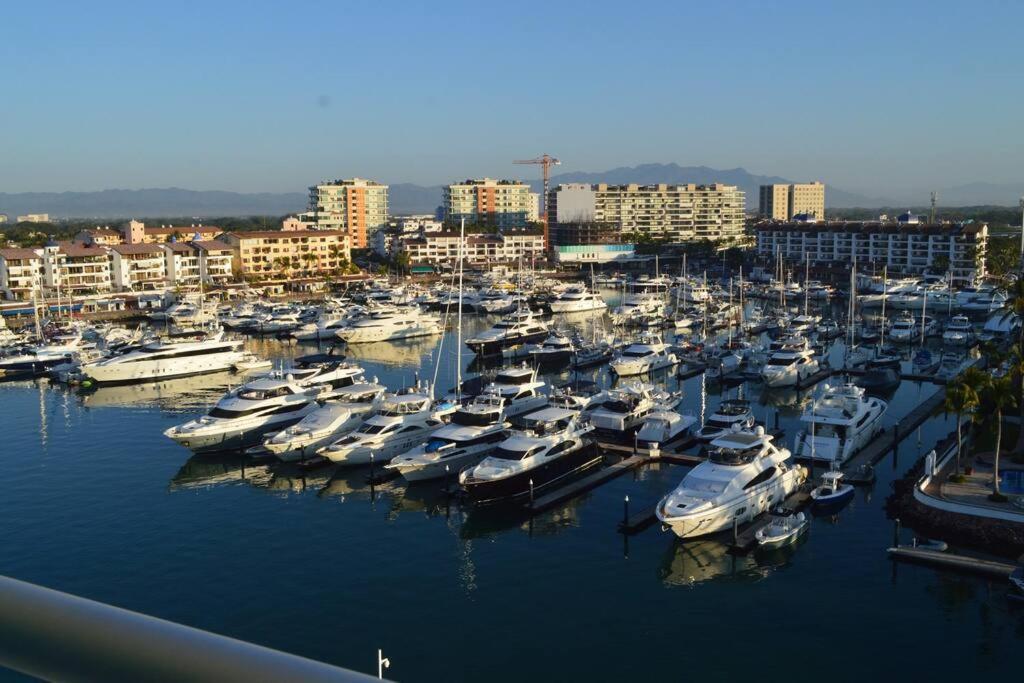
{"points": [[407, 198]]}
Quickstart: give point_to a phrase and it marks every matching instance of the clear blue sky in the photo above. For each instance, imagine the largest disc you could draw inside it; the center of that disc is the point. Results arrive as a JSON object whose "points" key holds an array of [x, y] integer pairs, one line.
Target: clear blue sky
{"points": [[255, 96]]}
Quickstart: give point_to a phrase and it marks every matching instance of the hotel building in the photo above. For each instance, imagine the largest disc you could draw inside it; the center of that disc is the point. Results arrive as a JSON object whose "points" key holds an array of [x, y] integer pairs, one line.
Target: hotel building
{"points": [[20, 272], [443, 247], [503, 204], [783, 202], [356, 206], [75, 268], [274, 252], [137, 267], [906, 246]]}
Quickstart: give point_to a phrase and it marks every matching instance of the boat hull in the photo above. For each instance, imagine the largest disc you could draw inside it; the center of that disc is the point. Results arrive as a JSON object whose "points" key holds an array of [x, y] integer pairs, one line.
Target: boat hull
{"points": [[517, 486]]}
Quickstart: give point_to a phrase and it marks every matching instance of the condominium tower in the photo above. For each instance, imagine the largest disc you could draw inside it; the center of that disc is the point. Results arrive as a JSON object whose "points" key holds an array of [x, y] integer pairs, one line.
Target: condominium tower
{"points": [[356, 206], [498, 203], [782, 202]]}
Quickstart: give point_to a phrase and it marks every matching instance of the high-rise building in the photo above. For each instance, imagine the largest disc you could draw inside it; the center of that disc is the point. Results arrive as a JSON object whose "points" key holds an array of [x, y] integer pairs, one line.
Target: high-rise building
{"points": [[676, 213], [356, 206], [498, 203], [782, 202]]}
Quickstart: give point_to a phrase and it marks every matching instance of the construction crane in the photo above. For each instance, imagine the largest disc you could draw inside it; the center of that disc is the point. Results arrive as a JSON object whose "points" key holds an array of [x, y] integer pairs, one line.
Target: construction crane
{"points": [[546, 162]]}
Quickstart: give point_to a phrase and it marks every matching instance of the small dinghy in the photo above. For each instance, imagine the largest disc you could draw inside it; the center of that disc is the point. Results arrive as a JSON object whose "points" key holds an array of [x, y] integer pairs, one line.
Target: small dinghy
{"points": [[782, 530], [831, 494]]}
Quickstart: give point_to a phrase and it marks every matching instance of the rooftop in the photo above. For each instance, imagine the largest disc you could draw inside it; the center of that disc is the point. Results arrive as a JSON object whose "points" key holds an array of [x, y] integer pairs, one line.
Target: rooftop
{"points": [[891, 227], [262, 234], [19, 254], [137, 249]]}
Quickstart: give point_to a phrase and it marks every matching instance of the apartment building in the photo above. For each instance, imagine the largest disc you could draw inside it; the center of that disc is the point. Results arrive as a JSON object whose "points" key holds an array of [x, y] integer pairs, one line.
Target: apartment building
{"points": [[34, 218], [136, 232], [137, 267], [905, 246], [106, 237], [674, 213], [781, 202], [182, 264], [216, 261], [443, 248], [504, 204], [75, 268], [355, 206], [273, 253], [302, 221], [20, 272]]}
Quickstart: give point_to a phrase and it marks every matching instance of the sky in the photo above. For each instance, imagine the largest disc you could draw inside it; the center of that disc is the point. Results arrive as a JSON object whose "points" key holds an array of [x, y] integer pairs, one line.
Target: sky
{"points": [[251, 96]]}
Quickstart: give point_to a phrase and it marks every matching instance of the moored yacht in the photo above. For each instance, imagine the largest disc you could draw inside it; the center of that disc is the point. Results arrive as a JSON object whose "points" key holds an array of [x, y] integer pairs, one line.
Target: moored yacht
{"points": [[553, 446], [577, 300], [624, 408], [516, 328], [744, 476], [474, 432], [245, 414], [166, 359], [958, 332], [843, 420], [731, 413], [557, 348], [389, 324], [649, 353], [789, 367]]}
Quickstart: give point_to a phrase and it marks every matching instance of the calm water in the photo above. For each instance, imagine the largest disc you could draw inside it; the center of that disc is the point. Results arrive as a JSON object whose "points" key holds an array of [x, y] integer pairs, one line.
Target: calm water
{"points": [[97, 502]]}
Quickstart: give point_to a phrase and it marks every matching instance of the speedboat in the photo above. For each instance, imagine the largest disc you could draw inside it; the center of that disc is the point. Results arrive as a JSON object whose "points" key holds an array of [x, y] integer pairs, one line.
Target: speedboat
{"points": [[648, 354], [958, 332], [403, 421], [843, 420], [320, 427], [789, 367], [831, 494], [514, 329], [577, 299], [551, 447], [744, 476], [474, 432], [625, 408], [781, 530], [162, 360], [390, 324], [731, 413], [245, 414], [663, 425]]}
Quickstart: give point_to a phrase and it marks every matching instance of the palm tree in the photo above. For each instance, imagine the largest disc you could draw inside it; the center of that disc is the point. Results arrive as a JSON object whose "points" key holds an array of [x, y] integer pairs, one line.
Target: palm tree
{"points": [[960, 399], [976, 380], [282, 263], [999, 396], [309, 257]]}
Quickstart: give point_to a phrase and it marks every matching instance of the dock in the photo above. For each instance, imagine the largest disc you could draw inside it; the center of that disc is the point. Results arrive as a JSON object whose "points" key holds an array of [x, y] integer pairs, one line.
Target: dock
{"points": [[889, 440], [745, 539], [584, 484], [688, 371], [964, 563]]}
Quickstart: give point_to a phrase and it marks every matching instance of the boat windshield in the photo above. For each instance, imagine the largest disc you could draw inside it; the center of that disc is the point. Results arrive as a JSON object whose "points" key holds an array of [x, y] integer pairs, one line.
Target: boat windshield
{"points": [[637, 354], [734, 456], [375, 429], [510, 454], [780, 361], [259, 394], [474, 419]]}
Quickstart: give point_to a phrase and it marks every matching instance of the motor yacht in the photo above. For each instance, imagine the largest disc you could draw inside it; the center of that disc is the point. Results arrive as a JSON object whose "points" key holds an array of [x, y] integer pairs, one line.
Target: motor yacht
{"points": [[161, 360], [551, 447], [789, 367], [729, 414], [804, 324], [556, 349], [390, 324], [638, 307], [518, 390], [958, 332], [624, 408], [245, 414], [907, 329], [402, 421], [34, 361], [744, 476], [319, 428], [648, 354], [577, 300], [474, 432], [842, 421], [663, 425], [516, 328]]}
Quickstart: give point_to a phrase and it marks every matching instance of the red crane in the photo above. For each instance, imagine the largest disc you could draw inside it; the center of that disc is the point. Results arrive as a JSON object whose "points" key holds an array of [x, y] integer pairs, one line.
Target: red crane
{"points": [[546, 162]]}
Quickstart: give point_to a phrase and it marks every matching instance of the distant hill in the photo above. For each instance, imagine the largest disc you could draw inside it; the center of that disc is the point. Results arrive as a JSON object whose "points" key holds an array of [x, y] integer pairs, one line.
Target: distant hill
{"points": [[406, 198]]}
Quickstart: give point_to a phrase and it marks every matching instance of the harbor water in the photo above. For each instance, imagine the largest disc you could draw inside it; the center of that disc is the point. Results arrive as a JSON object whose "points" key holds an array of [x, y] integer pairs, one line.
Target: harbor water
{"points": [[97, 502]]}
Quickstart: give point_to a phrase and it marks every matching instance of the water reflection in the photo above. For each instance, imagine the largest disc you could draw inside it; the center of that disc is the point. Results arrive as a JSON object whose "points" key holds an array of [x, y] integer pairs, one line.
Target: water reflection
{"points": [[174, 395], [208, 471]]}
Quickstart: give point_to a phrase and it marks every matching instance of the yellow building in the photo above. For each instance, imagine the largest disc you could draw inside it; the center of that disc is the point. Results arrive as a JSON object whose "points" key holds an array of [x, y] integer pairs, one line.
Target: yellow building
{"points": [[356, 206], [274, 253], [500, 203], [782, 202]]}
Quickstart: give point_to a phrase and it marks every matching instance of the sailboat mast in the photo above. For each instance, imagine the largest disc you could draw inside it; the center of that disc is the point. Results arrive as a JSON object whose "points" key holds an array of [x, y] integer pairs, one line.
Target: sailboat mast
{"points": [[458, 343], [885, 295]]}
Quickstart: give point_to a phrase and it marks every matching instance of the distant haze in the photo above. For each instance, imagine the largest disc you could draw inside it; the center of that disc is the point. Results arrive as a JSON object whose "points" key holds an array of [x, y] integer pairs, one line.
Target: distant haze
{"points": [[406, 198]]}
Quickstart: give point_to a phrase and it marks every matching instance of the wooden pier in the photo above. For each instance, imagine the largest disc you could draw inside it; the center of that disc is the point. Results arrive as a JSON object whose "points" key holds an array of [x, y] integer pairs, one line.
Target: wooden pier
{"points": [[964, 563]]}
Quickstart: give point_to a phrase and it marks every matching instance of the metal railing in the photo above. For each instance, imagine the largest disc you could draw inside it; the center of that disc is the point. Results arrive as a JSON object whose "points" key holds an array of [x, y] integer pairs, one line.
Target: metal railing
{"points": [[61, 637]]}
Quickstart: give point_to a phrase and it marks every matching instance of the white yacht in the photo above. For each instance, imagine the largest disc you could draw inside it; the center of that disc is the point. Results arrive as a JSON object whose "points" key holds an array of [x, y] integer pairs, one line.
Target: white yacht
{"points": [[731, 413], [907, 329], [326, 424], [166, 359], [637, 306], [804, 324], [648, 354], [556, 349], [475, 431], [514, 329], [518, 390], [843, 420], [577, 300], [245, 414], [663, 425], [553, 446], [982, 300], [624, 408], [403, 421], [958, 332], [789, 367], [744, 476], [389, 324]]}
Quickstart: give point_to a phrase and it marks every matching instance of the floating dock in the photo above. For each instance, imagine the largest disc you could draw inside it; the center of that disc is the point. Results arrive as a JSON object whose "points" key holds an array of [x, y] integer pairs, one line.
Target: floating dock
{"points": [[889, 440], [584, 484], [964, 563], [745, 539]]}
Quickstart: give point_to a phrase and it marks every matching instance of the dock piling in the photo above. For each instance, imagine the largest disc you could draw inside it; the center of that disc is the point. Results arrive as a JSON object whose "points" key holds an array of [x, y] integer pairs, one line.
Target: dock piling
{"points": [[625, 512]]}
